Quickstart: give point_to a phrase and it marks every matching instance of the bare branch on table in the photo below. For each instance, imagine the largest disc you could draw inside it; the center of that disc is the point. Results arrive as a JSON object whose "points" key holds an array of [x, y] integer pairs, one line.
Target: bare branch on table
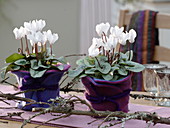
{"points": [[9, 96], [141, 96], [121, 117], [65, 107], [29, 90], [10, 115], [71, 90]]}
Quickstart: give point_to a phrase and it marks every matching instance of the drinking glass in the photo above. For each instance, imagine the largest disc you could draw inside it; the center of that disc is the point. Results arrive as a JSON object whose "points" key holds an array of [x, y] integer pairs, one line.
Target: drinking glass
{"points": [[149, 77], [163, 83]]}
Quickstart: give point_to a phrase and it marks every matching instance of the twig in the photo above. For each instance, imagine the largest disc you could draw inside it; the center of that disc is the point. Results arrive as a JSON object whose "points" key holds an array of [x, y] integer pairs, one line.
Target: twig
{"points": [[141, 96], [63, 116], [75, 55], [71, 90], [29, 90], [64, 108], [9, 96], [47, 110]]}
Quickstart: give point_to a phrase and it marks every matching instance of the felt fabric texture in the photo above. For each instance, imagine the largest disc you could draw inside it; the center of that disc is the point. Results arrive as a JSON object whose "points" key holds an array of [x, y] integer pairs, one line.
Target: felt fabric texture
{"points": [[108, 95], [49, 82]]}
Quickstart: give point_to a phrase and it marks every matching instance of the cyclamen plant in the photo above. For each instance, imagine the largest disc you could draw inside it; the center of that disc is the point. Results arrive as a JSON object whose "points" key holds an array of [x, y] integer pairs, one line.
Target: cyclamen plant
{"points": [[105, 61], [40, 58]]}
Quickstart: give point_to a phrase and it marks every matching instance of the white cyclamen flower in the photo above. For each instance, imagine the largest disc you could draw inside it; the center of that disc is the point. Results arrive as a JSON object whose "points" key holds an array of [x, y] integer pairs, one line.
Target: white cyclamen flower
{"points": [[132, 35], [123, 38], [19, 33], [40, 24], [93, 50], [35, 25], [100, 28], [52, 38], [28, 26], [111, 43], [35, 37], [116, 31], [98, 42]]}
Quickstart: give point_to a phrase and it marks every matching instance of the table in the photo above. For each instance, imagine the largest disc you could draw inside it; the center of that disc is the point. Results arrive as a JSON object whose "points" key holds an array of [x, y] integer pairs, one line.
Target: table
{"points": [[81, 121]]}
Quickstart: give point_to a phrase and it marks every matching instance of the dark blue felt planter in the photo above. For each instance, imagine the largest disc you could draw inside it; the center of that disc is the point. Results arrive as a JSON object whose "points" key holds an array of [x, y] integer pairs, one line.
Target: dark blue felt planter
{"points": [[49, 81]]}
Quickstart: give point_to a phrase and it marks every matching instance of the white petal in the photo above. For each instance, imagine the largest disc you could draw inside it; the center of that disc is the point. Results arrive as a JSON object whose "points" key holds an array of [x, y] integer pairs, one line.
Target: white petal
{"points": [[16, 33], [116, 31], [100, 28], [93, 51], [132, 35], [123, 38], [98, 42]]}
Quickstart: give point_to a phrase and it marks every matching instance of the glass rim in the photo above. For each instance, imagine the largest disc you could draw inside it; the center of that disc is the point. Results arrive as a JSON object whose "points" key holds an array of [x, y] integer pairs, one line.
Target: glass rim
{"points": [[163, 71], [155, 66]]}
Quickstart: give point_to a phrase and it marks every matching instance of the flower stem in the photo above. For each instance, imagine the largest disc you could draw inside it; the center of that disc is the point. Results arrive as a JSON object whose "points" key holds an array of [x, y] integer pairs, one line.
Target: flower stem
{"points": [[129, 51], [98, 62], [36, 50], [21, 46], [27, 49], [51, 49]]}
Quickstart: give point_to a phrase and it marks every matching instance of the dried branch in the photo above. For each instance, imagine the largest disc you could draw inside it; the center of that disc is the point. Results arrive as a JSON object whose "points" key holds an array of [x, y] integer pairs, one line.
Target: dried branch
{"points": [[75, 55], [9, 96], [141, 96], [62, 116], [29, 90], [64, 108]]}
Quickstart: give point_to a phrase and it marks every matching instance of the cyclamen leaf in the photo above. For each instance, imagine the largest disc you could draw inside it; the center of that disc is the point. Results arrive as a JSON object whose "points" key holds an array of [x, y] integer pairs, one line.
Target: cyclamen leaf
{"points": [[60, 67], [80, 62], [34, 64], [89, 62], [115, 77], [12, 67], [83, 75], [136, 68], [14, 57], [104, 68], [43, 66], [113, 69], [123, 56], [21, 62], [15, 67], [129, 55], [90, 71], [122, 71], [102, 58], [107, 76], [3, 74], [36, 73], [76, 72]]}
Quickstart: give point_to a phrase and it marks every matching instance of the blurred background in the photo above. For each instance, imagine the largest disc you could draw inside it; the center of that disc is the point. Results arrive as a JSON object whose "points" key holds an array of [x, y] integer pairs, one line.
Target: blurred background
{"points": [[73, 20]]}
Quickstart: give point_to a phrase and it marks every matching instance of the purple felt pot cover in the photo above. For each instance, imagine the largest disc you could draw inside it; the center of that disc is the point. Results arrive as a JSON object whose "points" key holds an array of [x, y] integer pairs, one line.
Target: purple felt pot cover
{"points": [[49, 81], [106, 95]]}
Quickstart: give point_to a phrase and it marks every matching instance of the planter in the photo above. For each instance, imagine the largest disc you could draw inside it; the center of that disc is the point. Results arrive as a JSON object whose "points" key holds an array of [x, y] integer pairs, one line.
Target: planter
{"points": [[49, 81], [106, 95]]}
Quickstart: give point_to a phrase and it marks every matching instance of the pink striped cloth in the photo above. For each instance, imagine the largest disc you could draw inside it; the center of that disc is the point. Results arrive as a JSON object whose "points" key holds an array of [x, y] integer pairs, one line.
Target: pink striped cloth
{"points": [[75, 121]]}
